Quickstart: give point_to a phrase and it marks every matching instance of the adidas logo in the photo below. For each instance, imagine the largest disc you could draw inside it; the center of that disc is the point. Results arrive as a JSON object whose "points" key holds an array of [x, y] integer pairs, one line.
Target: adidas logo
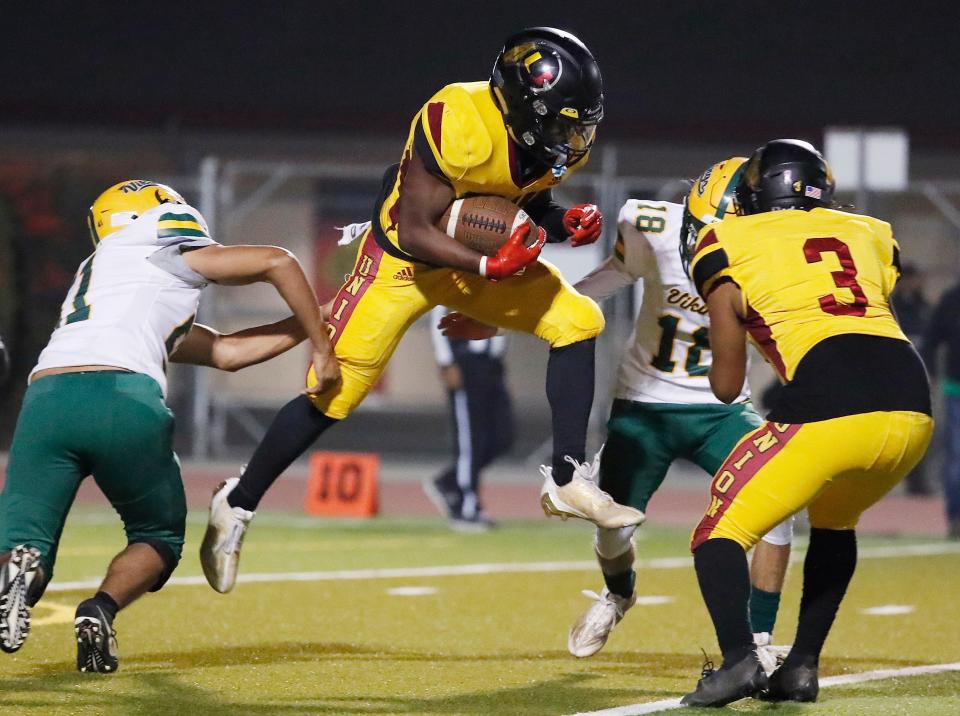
{"points": [[404, 274]]}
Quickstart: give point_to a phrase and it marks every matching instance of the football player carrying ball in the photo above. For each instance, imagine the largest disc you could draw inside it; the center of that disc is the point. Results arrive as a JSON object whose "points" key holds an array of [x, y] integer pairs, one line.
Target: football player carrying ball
{"points": [[517, 136]]}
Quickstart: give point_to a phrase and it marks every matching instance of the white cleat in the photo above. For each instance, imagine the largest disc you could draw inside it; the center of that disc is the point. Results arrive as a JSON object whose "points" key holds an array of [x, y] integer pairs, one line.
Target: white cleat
{"points": [[220, 550], [590, 632], [16, 576], [771, 656], [583, 498]]}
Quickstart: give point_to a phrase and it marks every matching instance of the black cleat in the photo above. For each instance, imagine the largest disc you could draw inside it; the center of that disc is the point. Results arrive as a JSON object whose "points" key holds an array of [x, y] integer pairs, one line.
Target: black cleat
{"points": [[794, 681], [96, 640], [729, 683], [16, 578]]}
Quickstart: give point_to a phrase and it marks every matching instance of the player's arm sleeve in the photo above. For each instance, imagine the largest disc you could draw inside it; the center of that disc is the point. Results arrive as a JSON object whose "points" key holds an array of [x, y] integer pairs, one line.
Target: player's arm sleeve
{"points": [[631, 260], [710, 266], [604, 281], [449, 135], [179, 229], [547, 214], [633, 250], [441, 344]]}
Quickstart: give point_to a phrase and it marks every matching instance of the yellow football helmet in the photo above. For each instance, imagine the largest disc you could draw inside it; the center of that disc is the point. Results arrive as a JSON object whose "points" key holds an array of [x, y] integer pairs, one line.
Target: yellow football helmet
{"points": [[123, 203], [711, 198]]}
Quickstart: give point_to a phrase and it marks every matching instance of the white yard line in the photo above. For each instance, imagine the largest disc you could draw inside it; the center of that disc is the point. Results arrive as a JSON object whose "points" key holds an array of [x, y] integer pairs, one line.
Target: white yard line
{"points": [[915, 550], [653, 707]]}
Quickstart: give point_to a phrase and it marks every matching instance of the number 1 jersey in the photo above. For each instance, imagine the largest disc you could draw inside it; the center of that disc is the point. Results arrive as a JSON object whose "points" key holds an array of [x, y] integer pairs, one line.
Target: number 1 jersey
{"points": [[134, 298]]}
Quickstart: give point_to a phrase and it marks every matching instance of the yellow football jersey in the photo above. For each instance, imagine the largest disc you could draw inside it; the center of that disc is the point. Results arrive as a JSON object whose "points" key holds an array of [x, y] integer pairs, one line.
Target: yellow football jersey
{"points": [[805, 276], [461, 138]]}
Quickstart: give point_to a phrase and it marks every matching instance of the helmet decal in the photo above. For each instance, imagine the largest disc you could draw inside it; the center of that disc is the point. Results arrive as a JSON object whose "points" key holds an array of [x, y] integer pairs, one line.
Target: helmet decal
{"points": [[703, 181], [513, 55], [543, 71], [136, 185]]}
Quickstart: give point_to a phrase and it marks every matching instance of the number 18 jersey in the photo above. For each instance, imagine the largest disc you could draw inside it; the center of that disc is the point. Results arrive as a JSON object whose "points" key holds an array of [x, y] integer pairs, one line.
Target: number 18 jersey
{"points": [[134, 299], [668, 359]]}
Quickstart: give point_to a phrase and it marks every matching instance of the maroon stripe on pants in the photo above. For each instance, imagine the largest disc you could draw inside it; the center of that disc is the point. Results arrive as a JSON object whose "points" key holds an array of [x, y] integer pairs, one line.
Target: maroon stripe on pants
{"points": [[357, 283], [738, 469]]}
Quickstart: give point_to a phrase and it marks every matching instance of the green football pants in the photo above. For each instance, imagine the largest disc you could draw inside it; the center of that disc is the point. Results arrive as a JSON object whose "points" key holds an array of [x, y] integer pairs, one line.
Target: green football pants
{"points": [[112, 425]]}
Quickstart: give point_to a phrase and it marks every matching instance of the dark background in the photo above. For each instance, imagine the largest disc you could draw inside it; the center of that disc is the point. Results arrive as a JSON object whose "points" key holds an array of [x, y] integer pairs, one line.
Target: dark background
{"points": [[683, 69], [93, 92]]}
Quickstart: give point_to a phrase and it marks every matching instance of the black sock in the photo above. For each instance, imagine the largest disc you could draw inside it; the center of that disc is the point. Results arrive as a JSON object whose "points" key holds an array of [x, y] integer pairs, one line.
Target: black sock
{"points": [[570, 393], [621, 584], [102, 600], [724, 579], [830, 563], [293, 430]]}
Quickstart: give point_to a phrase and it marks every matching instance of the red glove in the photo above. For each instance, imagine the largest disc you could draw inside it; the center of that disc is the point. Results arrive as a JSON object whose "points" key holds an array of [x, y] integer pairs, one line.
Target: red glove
{"points": [[583, 223], [513, 256]]}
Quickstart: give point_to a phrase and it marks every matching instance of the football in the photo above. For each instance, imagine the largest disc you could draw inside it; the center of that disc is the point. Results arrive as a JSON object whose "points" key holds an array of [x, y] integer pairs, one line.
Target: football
{"points": [[484, 223]]}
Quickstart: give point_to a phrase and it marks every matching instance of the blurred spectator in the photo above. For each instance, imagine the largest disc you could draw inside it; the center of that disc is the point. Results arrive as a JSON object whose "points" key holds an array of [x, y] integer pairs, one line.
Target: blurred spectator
{"points": [[910, 304], [473, 374], [4, 363], [913, 312], [943, 329]]}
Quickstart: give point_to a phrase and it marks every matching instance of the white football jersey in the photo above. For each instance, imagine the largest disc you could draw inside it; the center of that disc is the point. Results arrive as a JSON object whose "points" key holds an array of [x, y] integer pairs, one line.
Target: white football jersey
{"points": [[134, 299], [668, 358]]}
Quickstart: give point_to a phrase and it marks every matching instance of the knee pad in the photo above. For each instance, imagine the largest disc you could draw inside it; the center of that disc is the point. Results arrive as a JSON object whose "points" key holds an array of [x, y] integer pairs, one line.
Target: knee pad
{"points": [[169, 555], [612, 543], [782, 534]]}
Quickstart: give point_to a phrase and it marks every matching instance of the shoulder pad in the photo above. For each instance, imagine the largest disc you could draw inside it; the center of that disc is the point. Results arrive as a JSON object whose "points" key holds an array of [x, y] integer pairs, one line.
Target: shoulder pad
{"points": [[455, 129], [709, 262], [179, 221]]}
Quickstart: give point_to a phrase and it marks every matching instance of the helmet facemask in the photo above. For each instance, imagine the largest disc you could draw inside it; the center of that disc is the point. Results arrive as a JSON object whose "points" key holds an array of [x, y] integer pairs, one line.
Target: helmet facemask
{"points": [[690, 227], [558, 139]]}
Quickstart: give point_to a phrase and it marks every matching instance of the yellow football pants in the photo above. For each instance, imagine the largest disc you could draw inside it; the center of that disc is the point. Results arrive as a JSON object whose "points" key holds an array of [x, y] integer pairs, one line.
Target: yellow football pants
{"points": [[836, 468], [384, 295]]}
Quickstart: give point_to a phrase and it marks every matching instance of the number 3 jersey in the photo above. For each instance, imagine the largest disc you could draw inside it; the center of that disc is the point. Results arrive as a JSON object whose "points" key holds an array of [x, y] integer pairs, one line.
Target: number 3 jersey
{"points": [[816, 287], [668, 358], [134, 298]]}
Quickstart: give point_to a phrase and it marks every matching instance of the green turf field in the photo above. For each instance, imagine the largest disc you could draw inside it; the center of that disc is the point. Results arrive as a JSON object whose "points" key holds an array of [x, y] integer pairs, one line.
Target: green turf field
{"points": [[481, 643]]}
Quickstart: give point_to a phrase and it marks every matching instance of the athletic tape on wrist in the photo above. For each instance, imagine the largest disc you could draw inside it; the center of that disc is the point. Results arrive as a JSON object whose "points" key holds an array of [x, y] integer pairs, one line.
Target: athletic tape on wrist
{"points": [[483, 266]]}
